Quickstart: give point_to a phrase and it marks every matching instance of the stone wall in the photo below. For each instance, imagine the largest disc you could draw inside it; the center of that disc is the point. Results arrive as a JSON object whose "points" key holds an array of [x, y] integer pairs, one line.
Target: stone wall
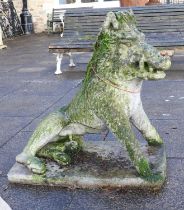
{"points": [[18, 5], [38, 10]]}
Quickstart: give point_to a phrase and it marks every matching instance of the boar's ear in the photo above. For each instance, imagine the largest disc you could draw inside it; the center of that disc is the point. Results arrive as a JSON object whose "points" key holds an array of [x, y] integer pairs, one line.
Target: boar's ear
{"points": [[126, 17], [132, 16], [130, 12], [110, 21], [129, 17]]}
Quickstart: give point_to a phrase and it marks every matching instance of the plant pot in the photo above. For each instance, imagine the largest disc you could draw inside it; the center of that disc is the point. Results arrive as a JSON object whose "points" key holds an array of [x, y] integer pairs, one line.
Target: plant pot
{"points": [[129, 3], [153, 2]]}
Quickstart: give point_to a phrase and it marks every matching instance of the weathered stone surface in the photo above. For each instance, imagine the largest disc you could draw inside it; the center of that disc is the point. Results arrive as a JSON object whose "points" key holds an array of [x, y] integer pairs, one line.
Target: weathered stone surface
{"points": [[101, 165], [22, 197], [108, 99]]}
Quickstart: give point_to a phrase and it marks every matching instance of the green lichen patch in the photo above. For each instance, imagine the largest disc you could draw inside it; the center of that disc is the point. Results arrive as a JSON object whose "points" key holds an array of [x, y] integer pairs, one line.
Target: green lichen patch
{"points": [[144, 168], [93, 169], [109, 98], [62, 151], [155, 178]]}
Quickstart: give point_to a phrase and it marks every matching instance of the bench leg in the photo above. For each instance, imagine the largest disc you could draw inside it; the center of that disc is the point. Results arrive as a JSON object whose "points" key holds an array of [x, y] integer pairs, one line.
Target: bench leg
{"points": [[58, 65], [72, 64]]}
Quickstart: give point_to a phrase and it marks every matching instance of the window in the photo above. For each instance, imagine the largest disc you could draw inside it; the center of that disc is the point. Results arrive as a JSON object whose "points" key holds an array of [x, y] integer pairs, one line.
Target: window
{"points": [[88, 1], [66, 1]]}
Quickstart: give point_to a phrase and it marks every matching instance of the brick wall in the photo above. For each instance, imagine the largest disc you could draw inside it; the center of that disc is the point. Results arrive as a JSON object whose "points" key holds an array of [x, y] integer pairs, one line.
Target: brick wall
{"points": [[38, 10]]}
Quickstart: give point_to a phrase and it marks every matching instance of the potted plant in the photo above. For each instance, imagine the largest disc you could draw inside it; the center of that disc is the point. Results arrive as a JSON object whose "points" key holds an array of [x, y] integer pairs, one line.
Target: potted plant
{"points": [[152, 2], [128, 3]]}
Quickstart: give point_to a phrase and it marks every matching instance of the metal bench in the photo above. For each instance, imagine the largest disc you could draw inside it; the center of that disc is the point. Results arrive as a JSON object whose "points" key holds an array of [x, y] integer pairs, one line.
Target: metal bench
{"points": [[55, 21], [56, 18], [163, 26]]}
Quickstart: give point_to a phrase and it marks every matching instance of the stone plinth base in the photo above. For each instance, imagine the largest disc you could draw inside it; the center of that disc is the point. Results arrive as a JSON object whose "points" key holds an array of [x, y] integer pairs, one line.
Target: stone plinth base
{"points": [[102, 164]]}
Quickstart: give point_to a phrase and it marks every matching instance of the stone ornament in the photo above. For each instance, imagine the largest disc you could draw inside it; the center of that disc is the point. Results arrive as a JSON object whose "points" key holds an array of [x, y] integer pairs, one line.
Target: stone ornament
{"points": [[109, 99]]}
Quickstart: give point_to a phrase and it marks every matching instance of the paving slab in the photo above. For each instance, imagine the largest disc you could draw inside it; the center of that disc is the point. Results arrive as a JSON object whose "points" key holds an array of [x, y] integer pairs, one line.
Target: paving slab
{"points": [[162, 89], [4, 69], [35, 198], [163, 99], [48, 88], [29, 72], [25, 105], [11, 126], [172, 133], [45, 71], [27, 60], [9, 86], [5, 91], [163, 110], [65, 100], [9, 151]]}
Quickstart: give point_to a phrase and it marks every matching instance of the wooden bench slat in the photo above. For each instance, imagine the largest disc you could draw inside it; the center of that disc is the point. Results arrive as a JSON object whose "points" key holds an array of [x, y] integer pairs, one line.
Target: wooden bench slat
{"points": [[144, 10], [102, 18], [83, 43], [143, 29], [176, 13], [137, 15], [145, 25], [91, 19], [83, 25], [66, 50], [137, 9], [89, 48], [75, 42], [162, 25]]}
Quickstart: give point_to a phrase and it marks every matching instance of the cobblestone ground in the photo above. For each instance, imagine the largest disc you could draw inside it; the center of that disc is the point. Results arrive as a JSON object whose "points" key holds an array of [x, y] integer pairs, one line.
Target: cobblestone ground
{"points": [[29, 90]]}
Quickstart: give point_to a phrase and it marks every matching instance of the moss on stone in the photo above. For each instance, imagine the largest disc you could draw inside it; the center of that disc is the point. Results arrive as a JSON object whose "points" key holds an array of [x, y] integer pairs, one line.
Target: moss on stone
{"points": [[62, 151], [121, 57], [144, 168], [153, 178]]}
